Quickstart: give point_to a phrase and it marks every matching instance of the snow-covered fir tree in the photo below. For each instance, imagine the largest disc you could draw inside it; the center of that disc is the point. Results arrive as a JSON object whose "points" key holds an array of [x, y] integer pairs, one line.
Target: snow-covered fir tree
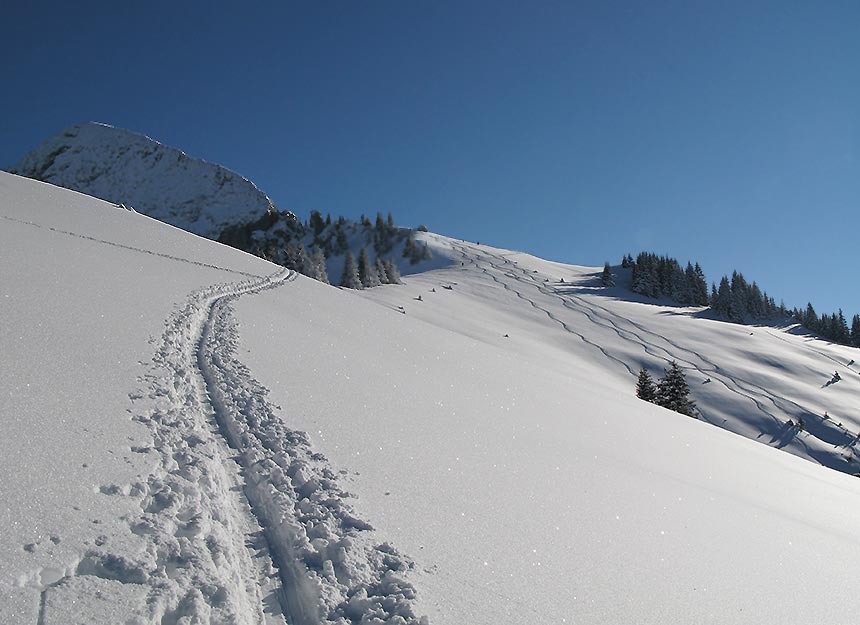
{"points": [[317, 266], [391, 271], [367, 270], [296, 258], [349, 278], [381, 271]]}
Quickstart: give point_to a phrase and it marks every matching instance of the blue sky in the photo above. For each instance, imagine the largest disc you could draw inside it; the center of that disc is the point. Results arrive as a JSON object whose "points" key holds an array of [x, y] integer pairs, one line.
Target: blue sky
{"points": [[724, 132]]}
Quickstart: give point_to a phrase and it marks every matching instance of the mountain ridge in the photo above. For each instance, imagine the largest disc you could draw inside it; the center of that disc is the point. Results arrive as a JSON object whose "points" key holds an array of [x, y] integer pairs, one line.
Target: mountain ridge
{"points": [[161, 181]]}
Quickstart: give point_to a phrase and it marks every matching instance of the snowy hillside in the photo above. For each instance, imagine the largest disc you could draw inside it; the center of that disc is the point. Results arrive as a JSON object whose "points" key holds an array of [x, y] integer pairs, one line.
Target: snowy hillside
{"points": [[124, 167], [474, 450], [146, 479], [760, 382]]}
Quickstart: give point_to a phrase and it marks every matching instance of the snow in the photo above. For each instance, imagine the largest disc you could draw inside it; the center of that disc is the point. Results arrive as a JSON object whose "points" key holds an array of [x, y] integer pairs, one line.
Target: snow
{"points": [[131, 467], [523, 475], [151, 477], [128, 168]]}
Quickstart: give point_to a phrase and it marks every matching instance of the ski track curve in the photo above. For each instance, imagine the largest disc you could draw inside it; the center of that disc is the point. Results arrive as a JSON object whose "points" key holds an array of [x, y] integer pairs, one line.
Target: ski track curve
{"points": [[241, 522], [690, 359]]}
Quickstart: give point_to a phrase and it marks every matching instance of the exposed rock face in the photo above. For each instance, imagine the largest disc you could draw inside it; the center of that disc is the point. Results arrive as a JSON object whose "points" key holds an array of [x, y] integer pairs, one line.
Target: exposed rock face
{"points": [[160, 181]]}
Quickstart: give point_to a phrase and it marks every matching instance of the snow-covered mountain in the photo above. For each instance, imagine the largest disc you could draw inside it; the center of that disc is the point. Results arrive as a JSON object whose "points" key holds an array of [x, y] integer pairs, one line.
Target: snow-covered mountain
{"points": [[163, 182], [192, 434]]}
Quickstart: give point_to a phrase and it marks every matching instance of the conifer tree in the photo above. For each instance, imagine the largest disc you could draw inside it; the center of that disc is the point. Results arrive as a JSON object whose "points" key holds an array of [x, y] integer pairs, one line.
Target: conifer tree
{"points": [[366, 270], [296, 258], [392, 271], [317, 265], [722, 304], [701, 287], [425, 252], [673, 392], [810, 319], [409, 246], [606, 277], [316, 222], [349, 278], [340, 238], [381, 271], [307, 267], [840, 331], [645, 388]]}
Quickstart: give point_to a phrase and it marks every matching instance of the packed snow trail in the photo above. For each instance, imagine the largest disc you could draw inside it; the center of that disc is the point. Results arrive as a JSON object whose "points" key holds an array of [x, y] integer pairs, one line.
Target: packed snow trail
{"points": [[241, 522]]}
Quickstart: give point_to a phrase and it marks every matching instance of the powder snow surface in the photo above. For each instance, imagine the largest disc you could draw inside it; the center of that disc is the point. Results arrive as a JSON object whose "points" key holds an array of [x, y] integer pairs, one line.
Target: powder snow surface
{"points": [[486, 432], [148, 479], [527, 480], [163, 182]]}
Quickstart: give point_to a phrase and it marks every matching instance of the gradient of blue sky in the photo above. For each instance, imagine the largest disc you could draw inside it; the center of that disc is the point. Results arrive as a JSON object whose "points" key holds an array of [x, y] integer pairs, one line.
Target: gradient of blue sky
{"points": [[725, 132]]}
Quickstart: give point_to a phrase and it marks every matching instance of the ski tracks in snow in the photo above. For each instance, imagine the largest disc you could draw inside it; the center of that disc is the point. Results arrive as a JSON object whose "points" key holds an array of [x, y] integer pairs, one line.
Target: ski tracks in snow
{"points": [[241, 522], [774, 409]]}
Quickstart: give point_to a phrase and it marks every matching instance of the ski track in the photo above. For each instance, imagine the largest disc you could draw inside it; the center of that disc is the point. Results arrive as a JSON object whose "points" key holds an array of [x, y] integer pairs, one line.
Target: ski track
{"points": [[127, 247], [690, 359], [241, 522]]}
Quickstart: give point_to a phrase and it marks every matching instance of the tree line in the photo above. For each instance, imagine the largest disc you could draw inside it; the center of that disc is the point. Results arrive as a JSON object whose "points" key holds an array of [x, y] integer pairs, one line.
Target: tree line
{"points": [[662, 276], [306, 247], [735, 299]]}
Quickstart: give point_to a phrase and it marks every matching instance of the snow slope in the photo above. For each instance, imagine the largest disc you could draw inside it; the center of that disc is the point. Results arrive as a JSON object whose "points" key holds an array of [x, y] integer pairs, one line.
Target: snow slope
{"points": [[125, 167], [524, 476], [151, 478], [750, 380], [147, 479]]}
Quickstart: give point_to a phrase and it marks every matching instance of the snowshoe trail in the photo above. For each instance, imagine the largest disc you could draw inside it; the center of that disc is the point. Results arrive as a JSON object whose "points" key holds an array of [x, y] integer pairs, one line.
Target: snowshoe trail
{"points": [[240, 521]]}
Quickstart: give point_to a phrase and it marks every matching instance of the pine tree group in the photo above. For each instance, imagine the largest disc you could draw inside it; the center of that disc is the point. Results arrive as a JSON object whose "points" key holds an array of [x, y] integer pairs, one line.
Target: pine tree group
{"points": [[308, 247], [734, 299], [661, 276], [415, 251], [670, 392], [833, 327], [738, 300]]}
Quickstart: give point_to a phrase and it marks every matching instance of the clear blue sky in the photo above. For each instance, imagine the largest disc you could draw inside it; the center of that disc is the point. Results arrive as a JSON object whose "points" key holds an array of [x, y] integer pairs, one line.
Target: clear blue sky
{"points": [[724, 132]]}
